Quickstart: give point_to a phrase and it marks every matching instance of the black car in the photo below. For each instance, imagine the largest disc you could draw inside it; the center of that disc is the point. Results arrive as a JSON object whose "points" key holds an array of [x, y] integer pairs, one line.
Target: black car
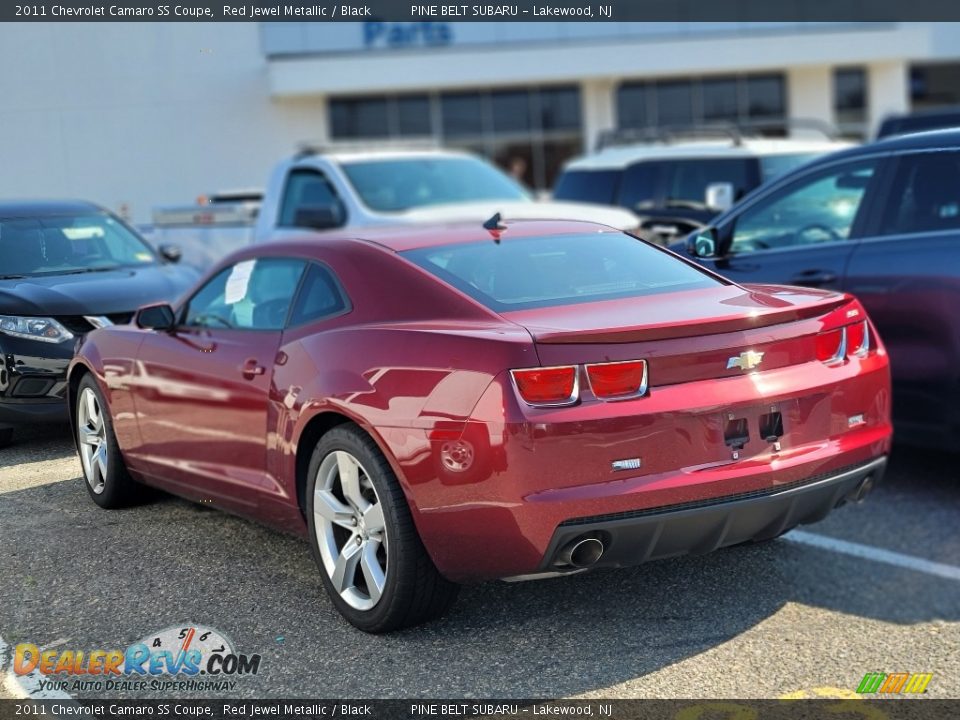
{"points": [[65, 269]]}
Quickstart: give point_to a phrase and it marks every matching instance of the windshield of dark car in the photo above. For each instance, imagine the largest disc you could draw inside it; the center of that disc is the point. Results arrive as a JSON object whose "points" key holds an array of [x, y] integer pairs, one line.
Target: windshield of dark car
{"points": [[406, 183], [592, 186], [68, 243], [531, 272]]}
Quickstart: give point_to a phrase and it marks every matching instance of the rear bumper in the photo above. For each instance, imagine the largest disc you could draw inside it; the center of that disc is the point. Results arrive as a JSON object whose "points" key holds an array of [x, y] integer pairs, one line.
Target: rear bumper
{"points": [[538, 471], [634, 537]]}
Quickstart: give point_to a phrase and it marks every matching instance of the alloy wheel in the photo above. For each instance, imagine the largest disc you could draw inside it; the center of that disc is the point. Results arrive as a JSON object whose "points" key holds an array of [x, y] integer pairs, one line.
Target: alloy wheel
{"points": [[350, 529], [92, 437]]}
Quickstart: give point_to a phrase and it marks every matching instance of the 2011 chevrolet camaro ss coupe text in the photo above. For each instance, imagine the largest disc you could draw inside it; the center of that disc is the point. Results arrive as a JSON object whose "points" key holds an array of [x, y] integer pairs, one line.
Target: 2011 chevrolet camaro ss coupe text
{"points": [[431, 406]]}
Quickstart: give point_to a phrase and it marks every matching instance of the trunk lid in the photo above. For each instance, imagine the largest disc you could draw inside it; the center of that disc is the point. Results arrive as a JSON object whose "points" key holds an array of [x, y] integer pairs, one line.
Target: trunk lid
{"points": [[686, 336]]}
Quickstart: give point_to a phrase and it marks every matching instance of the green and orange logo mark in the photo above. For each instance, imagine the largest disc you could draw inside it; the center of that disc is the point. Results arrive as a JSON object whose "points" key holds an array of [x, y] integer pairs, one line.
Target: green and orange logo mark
{"points": [[894, 683]]}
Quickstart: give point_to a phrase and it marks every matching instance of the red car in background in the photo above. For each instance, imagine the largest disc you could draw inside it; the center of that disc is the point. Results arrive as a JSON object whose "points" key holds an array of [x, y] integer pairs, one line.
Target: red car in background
{"points": [[431, 406]]}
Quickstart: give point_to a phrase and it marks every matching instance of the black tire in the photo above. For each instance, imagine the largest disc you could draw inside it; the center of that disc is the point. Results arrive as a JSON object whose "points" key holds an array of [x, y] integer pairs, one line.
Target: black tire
{"points": [[119, 489], [6, 436], [414, 591]]}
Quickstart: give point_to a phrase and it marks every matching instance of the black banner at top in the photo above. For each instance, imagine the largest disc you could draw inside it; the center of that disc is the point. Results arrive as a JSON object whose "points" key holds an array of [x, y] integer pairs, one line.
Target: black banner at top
{"points": [[518, 11]]}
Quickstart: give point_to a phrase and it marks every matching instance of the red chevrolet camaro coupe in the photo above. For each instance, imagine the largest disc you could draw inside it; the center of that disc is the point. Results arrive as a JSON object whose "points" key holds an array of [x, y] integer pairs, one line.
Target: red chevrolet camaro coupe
{"points": [[431, 406]]}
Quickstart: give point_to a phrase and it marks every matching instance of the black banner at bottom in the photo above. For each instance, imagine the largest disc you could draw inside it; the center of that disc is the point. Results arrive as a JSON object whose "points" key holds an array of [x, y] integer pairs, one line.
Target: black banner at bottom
{"points": [[894, 708]]}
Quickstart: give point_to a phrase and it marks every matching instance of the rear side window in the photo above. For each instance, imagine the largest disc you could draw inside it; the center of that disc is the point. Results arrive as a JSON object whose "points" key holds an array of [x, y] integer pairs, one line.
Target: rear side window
{"points": [[320, 296], [925, 196], [307, 190], [532, 272], [592, 186]]}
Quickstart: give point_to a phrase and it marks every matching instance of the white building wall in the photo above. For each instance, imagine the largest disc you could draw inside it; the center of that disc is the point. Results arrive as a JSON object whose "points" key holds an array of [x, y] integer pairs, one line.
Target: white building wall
{"points": [[810, 94], [598, 108], [888, 92], [140, 114]]}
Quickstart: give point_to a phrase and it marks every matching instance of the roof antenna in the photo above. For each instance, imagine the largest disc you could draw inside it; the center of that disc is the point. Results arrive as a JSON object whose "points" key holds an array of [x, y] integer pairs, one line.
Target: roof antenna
{"points": [[495, 226]]}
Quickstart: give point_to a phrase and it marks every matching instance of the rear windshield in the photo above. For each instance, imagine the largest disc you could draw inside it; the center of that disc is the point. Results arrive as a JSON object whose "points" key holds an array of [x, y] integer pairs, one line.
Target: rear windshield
{"points": [[592, 186], [534, 272]]}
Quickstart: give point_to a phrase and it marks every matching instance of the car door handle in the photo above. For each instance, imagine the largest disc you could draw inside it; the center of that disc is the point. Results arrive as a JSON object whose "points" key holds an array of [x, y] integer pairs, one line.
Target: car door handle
{"points": [[251, 368], [814, 278]]}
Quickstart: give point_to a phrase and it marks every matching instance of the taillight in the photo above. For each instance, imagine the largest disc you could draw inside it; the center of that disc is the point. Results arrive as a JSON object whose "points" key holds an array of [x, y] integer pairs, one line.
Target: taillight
{"points": [[549, 386], [858, 339], [618, 380], [835, 346], [830, 346]]}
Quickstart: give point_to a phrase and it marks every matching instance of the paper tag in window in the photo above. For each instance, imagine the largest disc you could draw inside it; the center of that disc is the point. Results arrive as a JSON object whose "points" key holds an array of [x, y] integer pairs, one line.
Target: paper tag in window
{"points": [[238, 281]]}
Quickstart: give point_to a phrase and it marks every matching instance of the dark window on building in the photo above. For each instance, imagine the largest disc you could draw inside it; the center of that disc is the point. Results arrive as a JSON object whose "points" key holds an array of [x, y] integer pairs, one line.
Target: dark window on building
{"points": [[765, 97], [560, 108], [413, 115], [462, 114], [935, 85], [850, 100], [674, 103], [721, 100], [633, 102], [510, 110], [364, 118], [704, 101]]}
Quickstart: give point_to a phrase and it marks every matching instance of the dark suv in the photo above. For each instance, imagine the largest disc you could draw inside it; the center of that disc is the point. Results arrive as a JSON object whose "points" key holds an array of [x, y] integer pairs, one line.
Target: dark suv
{"points": [[881, 221]]}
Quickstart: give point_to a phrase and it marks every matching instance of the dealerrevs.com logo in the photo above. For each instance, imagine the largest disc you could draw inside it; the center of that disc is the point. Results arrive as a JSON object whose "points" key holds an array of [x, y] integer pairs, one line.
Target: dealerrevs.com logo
{"points": [[180, 658]]}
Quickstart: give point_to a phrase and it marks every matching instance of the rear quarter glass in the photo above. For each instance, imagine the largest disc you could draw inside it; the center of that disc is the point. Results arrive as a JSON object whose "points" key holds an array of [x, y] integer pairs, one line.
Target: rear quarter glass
{"points": [[534, 272]]}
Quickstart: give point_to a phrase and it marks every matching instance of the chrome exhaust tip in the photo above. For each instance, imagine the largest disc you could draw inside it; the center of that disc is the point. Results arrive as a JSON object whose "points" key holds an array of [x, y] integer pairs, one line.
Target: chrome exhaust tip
{"points": [[581, 553], [863, 489]]}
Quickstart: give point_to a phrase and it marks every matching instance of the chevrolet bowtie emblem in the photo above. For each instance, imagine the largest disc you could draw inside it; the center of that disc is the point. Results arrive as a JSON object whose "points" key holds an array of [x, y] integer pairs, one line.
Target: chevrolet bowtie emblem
{"points": [[745, 361]]}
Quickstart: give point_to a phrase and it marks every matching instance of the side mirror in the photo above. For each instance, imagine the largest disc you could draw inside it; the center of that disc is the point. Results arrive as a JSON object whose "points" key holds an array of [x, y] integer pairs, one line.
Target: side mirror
{"points": [[703, 243], [719, 196], [170, 253], [155, 317], [317, 217]]}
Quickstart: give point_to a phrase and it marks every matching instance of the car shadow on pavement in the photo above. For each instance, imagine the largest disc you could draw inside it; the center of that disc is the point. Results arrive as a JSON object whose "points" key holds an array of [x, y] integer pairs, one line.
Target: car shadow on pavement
{"points": [[105, 579]]}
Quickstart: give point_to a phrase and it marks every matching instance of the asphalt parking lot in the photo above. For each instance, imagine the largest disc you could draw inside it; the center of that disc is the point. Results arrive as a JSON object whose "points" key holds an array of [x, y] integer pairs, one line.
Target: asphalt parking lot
{"points": [[804, 616]]}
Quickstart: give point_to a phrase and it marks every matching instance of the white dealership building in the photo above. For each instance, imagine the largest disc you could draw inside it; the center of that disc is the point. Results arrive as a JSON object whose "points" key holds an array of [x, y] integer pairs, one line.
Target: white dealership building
{"points": [[134, 115]]}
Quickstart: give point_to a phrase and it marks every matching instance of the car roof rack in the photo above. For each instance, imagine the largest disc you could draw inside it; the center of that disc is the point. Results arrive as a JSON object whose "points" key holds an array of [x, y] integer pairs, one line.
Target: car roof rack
{"points": [[307, 148], [736, 133]]}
